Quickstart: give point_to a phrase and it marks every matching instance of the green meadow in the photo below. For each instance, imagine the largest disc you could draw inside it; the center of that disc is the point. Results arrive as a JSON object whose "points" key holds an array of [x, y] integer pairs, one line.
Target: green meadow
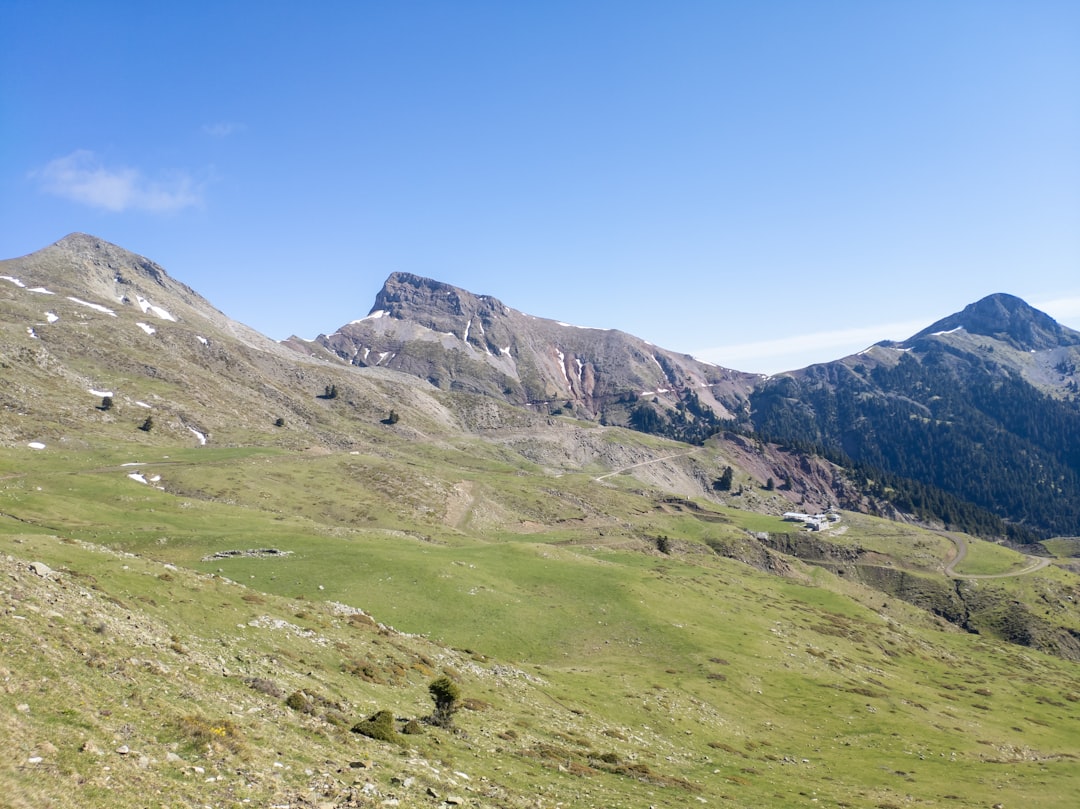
{"points": [[608, 655]]}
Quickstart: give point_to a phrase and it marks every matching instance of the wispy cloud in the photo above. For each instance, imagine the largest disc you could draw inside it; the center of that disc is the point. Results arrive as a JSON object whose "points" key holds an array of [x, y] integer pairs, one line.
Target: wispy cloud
{"points": [[221, 129], [1061, 308], [81, 177], [785, 353]]}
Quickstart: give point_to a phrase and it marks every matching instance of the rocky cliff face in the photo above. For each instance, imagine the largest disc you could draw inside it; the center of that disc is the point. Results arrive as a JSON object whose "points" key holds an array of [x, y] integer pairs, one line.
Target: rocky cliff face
{"points": [[461, 341]]}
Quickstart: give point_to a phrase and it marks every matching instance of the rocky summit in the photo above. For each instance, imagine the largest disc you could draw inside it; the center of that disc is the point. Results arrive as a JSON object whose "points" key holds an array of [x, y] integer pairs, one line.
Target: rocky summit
{"points": [[457, 340]]}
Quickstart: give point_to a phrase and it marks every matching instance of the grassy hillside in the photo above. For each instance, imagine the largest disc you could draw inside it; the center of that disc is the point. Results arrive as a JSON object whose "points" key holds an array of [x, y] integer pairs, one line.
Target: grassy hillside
{"points": [[199, 613], [597, 669]]}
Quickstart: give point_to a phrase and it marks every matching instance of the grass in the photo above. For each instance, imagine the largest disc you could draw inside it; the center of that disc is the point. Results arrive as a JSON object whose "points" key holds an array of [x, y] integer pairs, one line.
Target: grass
{"points": [[986, 558], [609, 674]]}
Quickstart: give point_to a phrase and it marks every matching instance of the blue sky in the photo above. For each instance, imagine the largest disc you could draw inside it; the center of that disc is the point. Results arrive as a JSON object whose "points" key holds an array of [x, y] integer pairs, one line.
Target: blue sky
{"points": [[762, 184]]}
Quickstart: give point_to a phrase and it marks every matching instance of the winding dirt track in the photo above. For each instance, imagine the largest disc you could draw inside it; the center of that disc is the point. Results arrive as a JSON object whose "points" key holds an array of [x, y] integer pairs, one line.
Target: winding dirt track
{"points": [[644, 463], [1035, 563]]}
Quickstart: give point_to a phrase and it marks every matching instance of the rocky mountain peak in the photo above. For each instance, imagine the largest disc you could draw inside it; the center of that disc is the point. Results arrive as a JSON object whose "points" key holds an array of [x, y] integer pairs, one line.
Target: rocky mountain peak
{"points": [[97, 255], [1009, 319], [405, 296]]}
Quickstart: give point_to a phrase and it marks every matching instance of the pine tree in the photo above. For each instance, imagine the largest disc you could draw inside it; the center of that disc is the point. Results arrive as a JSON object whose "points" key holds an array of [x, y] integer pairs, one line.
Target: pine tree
{"points": [[723, 483]]}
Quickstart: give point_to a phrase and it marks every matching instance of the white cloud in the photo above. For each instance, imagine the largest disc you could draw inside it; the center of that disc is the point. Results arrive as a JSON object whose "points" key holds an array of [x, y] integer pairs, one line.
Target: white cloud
{"points": [[786, 353], [81, 177], [1061, 308]]}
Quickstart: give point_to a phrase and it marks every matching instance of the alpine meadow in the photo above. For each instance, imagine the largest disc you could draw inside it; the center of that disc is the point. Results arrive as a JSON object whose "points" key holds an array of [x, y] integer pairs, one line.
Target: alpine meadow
{"points": [[451, 554]]}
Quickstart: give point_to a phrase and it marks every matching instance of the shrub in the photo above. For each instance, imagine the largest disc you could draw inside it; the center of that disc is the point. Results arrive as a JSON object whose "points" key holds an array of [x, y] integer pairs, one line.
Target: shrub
{"points": [[147, 425], [216, 735], [299, 701], [379, 726], [279, 422], [364, 670], [723, 483], [447, 696]]}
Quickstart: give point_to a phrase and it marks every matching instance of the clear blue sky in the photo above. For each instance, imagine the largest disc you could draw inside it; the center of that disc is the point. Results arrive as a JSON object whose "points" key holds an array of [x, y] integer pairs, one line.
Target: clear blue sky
{"points": [[762, 184]]}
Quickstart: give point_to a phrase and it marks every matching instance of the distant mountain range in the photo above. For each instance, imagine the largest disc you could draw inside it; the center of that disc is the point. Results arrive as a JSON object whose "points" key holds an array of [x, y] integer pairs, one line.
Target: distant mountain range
{"points": [[974, 422], [979, 408]]}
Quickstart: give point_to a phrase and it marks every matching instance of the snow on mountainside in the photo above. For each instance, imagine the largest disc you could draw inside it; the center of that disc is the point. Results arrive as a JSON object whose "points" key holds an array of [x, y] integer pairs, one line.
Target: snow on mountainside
{"points": [[105, 278], [983, 405], [1009, 319], [461, 341]]}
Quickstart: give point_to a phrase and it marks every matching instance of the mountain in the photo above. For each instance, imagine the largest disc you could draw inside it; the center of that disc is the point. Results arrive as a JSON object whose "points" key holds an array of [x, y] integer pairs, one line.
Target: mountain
{"points": [[249, 600], [971, 423], [982, 405], [1006, 319], [460, 341], [83, 319]]}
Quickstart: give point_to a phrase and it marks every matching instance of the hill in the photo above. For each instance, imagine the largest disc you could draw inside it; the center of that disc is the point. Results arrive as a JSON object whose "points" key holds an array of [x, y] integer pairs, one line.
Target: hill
{"points": [[218, 610]]}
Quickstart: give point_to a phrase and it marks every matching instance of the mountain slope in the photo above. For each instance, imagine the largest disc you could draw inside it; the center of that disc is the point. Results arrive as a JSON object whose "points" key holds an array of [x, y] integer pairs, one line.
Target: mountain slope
{"points": [[970, 422], [205, 623], [983, 405], [460, 341], [84, 319]]}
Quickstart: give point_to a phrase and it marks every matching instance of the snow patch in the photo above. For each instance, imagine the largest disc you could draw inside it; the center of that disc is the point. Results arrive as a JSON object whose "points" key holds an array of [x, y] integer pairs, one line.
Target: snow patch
{"points": [[93, 392], [200, 436], [950, 331], [562, 366], [146, 328], [96, 306], [467, 327], [146, 306], [202, 340], [505, 351], [373, 316], [36, 445], [143, 404], [52, 317], [15, 281], [31, 332], [572, 326], [138, 478], [41, 291]]}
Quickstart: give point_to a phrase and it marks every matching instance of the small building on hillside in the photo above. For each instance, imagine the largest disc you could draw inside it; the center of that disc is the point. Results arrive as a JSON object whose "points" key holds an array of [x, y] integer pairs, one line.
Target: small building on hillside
{"points": [[813, 522]]}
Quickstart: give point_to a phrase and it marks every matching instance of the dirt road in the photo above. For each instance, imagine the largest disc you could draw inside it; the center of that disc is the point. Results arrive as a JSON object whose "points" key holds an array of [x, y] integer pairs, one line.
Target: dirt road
{"points": [[1035, 563]]}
